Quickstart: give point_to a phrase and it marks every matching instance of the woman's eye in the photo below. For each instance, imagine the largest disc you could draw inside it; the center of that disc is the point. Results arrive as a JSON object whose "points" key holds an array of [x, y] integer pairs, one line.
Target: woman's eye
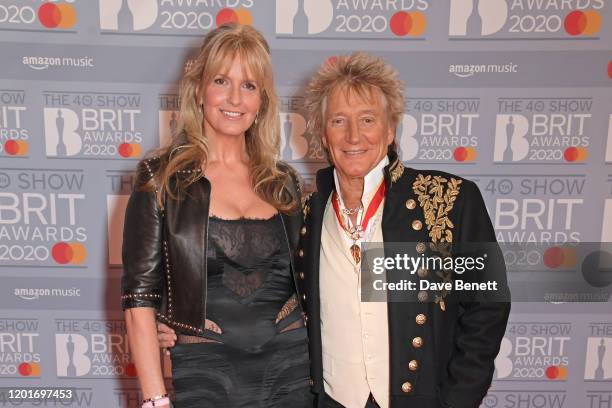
{"points": [[250, 86], [219, 81]]}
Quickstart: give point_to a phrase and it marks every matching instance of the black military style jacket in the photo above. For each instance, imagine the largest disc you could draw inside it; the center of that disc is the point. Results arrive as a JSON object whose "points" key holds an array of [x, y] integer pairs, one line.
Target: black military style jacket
{"points": [[164, 250], [440, 355]]}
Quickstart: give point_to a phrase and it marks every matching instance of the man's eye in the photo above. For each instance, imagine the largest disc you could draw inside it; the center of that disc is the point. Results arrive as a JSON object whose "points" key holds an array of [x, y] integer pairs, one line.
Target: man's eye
{"points": [[337, 122], [368, 120]]}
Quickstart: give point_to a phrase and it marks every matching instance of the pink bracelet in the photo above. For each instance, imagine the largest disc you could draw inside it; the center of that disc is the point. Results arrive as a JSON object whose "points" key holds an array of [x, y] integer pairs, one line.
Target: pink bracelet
{"points": [[159, 402]]}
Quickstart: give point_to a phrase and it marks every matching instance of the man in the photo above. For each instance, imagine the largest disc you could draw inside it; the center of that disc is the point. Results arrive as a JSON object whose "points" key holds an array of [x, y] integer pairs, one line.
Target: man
{"points": [[418, 354], [430, 353]]}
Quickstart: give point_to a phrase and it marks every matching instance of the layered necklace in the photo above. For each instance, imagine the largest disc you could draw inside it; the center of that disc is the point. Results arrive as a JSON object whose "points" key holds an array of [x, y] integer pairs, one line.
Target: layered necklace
{"points": [[355, 231]]}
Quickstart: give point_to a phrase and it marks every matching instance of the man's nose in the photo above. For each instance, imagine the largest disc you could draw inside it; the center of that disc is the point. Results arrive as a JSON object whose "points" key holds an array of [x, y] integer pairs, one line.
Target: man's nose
{"points": [[352, 134]]}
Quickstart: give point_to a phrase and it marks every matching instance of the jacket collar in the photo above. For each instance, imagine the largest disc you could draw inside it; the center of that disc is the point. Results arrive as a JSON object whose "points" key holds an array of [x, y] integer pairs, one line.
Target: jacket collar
{"points": [[392, 172]]}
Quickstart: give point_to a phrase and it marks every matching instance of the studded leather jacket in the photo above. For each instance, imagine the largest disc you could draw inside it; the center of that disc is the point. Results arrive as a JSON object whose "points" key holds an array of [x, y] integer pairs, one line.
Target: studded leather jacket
{"points": [[164, 250]]}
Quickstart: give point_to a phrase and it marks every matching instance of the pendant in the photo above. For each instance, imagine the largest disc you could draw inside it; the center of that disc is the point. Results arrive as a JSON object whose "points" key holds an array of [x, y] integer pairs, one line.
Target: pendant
{"points": [[356, 252]]}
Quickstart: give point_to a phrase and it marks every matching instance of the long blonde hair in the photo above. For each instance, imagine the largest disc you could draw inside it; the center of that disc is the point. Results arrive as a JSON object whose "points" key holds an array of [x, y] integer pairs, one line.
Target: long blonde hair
{"points": [[189, 147]]}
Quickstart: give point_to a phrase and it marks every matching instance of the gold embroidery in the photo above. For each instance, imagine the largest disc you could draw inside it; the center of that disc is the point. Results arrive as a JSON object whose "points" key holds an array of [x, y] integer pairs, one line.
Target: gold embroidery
{"points": [[287, 308], [396, 170], [306, 204], [437, 197]]}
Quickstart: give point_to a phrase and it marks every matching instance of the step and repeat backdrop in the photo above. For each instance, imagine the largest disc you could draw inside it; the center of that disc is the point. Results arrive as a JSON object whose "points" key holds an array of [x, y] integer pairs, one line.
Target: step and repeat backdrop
{"points": [[513, 94]]}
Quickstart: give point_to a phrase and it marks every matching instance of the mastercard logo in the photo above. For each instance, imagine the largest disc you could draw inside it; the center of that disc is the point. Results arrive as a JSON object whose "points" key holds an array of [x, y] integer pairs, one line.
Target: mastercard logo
{"points": [[575, 154], [29, 370], [130, 370], [53, 15], [69, 253], [580, 22], [403, 23], [464, 154], [556, 372], [130, 150], [228, 15], [16, 147], [560, 257]]}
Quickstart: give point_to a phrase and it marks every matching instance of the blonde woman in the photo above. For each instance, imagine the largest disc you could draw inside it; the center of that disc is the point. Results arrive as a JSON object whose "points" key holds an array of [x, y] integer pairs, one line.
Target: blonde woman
{"points": [[209, 236]]}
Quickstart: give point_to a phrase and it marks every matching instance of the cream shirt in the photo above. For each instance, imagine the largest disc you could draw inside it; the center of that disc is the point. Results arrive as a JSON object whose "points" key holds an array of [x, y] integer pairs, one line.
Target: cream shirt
{"points": [[354, 334]]}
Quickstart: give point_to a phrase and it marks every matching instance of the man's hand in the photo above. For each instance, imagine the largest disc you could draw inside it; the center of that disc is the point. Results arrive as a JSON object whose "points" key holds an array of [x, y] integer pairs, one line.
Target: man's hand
{"points": [[166, 337]]}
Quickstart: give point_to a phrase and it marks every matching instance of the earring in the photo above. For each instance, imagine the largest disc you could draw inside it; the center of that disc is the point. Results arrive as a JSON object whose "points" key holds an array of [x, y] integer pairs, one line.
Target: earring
{"points": [[256, 118]]}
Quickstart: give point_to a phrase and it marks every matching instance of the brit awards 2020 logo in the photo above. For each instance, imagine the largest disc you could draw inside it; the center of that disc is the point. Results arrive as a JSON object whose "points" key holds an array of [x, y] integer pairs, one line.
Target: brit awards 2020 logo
{"points": [[439, 130], [42, 218], [544, 130], [35, 15], [598, 360], [19, 348], [525, 19], [534, 352], [93, 124], [537, 208], [331, 19], [91, 348], [14, 132], [170, 17]]}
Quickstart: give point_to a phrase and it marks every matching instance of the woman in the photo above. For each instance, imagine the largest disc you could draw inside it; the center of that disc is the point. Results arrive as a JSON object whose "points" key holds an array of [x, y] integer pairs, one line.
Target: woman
{"points": [[209, 235]]}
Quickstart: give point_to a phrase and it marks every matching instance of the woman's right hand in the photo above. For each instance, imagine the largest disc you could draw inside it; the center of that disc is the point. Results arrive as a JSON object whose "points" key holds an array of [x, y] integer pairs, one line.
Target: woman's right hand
{"points": [[166, 336]]}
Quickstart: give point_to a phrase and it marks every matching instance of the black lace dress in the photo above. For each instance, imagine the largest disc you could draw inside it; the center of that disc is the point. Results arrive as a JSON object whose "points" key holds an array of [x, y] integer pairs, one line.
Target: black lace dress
{"points": [[254, 352]]}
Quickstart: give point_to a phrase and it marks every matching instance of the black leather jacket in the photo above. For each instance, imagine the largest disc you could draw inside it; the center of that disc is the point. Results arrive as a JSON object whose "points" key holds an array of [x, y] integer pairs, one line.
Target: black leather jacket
{"points": [[164, 251]]}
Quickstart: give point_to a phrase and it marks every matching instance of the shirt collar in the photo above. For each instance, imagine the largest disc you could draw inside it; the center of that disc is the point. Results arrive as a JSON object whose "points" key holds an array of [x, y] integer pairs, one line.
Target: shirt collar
{"points": [[370, 183]]}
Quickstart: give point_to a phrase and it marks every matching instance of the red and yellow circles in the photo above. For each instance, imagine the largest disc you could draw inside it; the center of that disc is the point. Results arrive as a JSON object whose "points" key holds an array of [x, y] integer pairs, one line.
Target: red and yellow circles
{"points": [[575, 154], [579, 22], [403, 23], [130, 150], [29, 370], [239, 15], [73, 253], [464, 154], [16, 147], [556, 372], [53, 15], [560, 257]]}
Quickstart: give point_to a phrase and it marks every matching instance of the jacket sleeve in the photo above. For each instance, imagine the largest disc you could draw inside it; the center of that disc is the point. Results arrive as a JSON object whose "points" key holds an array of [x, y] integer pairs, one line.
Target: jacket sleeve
{"points": [[142, 282], [481, 324]]}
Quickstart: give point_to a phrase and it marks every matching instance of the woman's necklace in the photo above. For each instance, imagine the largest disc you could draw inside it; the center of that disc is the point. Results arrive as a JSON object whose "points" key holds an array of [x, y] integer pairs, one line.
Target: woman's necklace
{"points": [[355, 231]]}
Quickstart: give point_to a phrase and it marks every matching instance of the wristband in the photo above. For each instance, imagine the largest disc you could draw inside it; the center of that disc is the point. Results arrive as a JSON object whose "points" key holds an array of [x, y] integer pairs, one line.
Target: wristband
{"points": [[156, 401]]}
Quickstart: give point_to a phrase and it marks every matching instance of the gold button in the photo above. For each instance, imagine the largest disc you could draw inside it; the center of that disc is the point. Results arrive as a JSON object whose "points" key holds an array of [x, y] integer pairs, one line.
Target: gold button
{"points": [[422, 272], [422, 296], [417, 342], [420, 247], [303, 231], [413, 365], [301, 253], [304, 296], [301, 275], [417, 225], [311, 382], [420, 319], [406, 387], [411, 204]]}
